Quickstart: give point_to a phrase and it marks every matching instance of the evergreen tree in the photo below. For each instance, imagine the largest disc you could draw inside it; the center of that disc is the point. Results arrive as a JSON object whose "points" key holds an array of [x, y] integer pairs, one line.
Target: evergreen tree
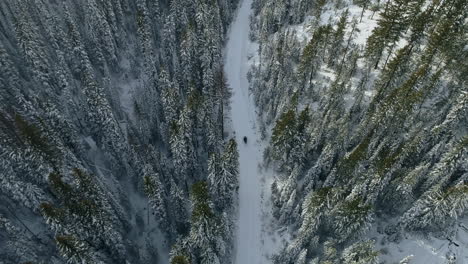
{"points": [[73, 250], [154, 191], [283, 135], [392, 24], [337, 38], [360, 253]]}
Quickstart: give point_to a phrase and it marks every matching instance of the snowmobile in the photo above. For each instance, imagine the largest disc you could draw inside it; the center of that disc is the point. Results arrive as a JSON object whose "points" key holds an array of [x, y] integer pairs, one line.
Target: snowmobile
{"points": [[245, 140]]}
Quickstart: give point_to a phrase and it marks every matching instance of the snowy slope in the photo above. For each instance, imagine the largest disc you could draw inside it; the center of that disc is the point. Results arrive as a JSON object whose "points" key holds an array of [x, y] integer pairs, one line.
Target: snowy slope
{"points": [[449, 246], [249, 230], [426, 248]]}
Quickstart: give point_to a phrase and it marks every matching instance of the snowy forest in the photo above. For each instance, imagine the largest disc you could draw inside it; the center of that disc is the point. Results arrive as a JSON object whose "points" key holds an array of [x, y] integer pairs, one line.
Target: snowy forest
{"points": [[365, 107], [226, 131], [111, 132]]}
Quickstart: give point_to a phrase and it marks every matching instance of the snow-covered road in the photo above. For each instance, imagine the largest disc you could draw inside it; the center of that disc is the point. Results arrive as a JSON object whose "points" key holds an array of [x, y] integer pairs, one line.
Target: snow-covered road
{"points": [[249, 229]]}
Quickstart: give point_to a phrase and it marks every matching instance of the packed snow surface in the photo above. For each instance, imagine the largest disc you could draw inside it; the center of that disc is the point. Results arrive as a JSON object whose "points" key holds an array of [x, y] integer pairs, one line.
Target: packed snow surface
{"points": [[249, 230]]}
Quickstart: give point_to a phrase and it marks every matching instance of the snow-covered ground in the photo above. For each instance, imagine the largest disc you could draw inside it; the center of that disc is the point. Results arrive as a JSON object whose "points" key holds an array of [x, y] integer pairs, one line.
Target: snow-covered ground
{"points": [[450, 246], [251, 245]]}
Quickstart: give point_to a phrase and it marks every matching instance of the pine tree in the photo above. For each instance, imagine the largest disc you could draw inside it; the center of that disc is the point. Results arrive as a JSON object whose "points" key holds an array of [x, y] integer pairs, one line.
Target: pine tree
{"points": [[436, 207], [364, 4], [298, 153], [179, 205], [170, 97], [205, 237], [351, 217], [360, 253], [154, 191], [182, 143], [283, 135], [310, 62], [337, 38], [73, 250], [32, 49], [393, 22]]}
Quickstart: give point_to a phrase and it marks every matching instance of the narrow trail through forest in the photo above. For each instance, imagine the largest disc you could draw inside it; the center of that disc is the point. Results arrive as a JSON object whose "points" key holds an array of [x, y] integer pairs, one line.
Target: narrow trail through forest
{"points": [[249, 229]]}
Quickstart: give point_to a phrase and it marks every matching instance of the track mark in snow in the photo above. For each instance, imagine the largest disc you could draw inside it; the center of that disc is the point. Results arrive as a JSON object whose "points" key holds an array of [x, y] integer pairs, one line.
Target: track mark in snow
{"points": [[249, 236]]}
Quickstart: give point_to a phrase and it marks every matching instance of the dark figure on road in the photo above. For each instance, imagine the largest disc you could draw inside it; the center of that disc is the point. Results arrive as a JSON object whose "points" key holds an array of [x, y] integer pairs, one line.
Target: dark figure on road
{"points": [[245, 140]]}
